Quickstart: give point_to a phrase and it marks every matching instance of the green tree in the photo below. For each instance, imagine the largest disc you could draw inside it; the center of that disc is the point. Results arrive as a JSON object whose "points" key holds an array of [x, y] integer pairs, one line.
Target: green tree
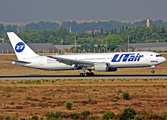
{"points": [[2, 29], [140, 33], [155, 36], [108, 115], [91, 117], [112, 31], [102, 31], [114, 39], [123, 29], [111, 47], [11, 28], [162, 32], [90, 97], [128, 113], [126, 27], [8, 117], [115, 30], [126, 95], [34, 117], [154, 28], [57, 114], [85, 113], [69, 105]]}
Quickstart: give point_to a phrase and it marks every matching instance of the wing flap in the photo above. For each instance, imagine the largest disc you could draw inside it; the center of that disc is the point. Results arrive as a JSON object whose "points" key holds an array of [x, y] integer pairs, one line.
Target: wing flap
{"points": [[72, 61]]}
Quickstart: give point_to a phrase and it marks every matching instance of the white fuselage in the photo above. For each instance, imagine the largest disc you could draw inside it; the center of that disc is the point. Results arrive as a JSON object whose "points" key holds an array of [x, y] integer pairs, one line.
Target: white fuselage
{"points": [[97, 61], [114, 60]]}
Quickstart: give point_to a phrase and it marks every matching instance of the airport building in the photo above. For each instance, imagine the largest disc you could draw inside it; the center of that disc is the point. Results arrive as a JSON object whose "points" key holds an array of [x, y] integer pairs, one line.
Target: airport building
{"points": [[59, 47], [50, 48], [37, 47], [162, 46]]}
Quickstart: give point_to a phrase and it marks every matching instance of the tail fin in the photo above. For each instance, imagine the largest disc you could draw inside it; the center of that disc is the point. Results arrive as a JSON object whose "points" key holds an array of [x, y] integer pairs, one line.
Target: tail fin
{"points": [[21, 49]]}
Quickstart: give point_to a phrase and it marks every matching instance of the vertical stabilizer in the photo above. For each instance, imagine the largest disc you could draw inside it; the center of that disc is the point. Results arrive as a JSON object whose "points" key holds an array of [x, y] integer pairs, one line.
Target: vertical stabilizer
{"points": [[21, 49]]}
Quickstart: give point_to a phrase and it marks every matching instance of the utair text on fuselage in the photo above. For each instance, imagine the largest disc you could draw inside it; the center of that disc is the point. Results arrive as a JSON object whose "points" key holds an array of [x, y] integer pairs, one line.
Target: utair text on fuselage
{"points": [[127, 57]]}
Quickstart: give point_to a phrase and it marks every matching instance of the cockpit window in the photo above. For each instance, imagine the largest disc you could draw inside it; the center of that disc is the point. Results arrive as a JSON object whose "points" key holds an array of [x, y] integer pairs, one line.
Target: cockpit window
{"points": [[158, 55]]}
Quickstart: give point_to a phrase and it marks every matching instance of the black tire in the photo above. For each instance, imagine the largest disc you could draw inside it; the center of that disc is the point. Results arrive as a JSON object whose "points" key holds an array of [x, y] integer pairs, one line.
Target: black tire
{"points": [[85, 74], [81, 74], [152, 71], [90, 74]]}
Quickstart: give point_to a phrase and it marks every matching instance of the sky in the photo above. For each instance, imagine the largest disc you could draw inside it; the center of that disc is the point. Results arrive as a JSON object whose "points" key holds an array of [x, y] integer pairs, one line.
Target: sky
{"points": [[63, 10]]}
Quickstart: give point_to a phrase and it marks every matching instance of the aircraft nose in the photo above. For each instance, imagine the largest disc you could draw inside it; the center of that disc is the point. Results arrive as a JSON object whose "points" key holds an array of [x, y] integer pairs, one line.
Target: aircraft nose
{"points": [[163, 59]]}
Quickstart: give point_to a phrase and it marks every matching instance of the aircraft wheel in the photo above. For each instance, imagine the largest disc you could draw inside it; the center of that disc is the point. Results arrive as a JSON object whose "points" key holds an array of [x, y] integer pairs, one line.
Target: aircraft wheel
{"points": [[90, 74], [81, 74], [85, 74], [152, 71]]}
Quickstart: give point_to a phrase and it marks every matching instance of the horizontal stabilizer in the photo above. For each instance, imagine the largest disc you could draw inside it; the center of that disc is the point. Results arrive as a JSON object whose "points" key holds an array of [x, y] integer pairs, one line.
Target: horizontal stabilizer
{"points": [[18, 61]]}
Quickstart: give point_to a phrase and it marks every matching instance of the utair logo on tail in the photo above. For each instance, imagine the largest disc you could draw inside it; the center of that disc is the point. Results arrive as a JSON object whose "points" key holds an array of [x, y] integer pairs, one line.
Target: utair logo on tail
{"points": [[19, 47], [126, 57]]}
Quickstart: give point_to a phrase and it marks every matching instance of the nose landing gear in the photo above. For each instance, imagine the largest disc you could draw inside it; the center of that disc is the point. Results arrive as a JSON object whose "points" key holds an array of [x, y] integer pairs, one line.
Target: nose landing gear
{"points": [[152, 71], [153, 67]]}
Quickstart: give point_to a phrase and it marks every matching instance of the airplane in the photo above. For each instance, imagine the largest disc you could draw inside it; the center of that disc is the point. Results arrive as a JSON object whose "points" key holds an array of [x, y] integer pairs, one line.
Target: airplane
{"points": [[106, 62]]}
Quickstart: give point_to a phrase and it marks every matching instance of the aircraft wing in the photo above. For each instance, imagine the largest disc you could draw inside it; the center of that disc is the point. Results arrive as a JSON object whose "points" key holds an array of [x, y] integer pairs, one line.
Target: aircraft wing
{"points": [[72, 61], [18, 61]]}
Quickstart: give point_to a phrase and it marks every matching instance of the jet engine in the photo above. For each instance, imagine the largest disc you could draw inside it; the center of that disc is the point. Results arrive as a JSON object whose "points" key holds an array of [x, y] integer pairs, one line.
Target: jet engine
{"points": [[103, 67]]}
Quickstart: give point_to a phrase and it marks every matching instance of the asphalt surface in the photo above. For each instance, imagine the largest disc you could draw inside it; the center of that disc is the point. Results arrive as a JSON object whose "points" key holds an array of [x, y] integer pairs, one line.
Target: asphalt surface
{"points": [[117, 76]]}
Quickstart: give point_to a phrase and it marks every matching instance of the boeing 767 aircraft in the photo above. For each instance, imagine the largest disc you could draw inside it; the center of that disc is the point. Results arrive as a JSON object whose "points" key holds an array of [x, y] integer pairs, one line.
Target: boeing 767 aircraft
{"points": [[106, 62]]}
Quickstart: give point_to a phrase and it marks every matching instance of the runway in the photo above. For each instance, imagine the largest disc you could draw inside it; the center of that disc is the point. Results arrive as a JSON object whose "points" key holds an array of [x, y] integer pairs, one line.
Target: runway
{"points": [[115, 76]]}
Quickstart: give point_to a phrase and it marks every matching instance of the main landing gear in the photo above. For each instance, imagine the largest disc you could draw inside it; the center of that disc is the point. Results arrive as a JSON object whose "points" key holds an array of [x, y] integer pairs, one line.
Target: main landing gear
{"points": [[88, 73], [153, 67]]}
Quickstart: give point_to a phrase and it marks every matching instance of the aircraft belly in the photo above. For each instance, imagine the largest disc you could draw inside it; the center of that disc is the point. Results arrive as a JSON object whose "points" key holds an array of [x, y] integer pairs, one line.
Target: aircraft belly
{"points": [[62, 67], [55, 66], [129, 64]]}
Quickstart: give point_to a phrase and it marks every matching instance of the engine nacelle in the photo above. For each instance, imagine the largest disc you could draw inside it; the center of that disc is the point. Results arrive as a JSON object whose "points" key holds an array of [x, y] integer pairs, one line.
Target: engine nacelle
{"points": [[100, 66], [103, 67]]}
